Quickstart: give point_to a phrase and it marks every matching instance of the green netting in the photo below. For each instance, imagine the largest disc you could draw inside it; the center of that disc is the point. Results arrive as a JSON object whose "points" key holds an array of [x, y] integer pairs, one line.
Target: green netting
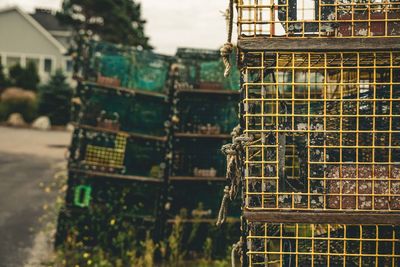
{"points": [[199, 200], [204, 69], [114, 232], [129, 67], [207, 114], [109, 141], [137, 113], [132, 198], [199, 158], [105, 152]]}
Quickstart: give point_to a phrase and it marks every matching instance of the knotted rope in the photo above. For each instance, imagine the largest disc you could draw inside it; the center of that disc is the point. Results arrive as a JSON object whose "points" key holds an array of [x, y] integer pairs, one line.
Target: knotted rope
{"points": [[233, 170], [235, 248], [227, 48]]}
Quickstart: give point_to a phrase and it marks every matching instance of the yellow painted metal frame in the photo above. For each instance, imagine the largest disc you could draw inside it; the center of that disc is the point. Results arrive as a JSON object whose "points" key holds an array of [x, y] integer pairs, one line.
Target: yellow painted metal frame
{"points": [[331, 18], [107, 156], [345, 107], [323, 245]]}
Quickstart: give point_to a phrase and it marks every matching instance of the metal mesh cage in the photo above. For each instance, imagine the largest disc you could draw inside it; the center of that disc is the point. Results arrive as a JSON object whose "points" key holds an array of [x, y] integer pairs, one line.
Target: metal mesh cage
{"points": [[206, 114], [203, 69], [126, 111], [325, 130], [109, 154], [319, 18], [127, 67], [201, 200], [323, 245], [119, 197], [200, 158]]}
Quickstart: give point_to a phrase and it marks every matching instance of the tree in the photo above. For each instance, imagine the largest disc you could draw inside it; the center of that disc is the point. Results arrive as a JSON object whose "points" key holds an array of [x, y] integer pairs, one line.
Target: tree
{"points": [[15, 74], [55, 99], [30, 79], [116, 21], [26, 78]]}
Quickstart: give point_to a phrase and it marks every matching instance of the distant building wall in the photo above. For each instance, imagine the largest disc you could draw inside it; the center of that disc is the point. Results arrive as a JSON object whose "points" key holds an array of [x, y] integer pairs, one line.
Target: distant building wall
{"points": [[22, 40]]}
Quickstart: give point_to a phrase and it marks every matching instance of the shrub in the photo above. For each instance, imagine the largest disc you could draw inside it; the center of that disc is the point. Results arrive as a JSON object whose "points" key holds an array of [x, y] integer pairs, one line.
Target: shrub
{"points": [[27, 78], [20, 101], [55, 99]]}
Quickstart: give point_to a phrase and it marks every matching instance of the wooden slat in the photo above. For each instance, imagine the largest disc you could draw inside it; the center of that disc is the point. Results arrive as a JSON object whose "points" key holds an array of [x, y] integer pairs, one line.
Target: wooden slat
{"points": [[116, 176], [130, 134], [322, 217], [209, 91], [204, 220], [318, 44], [199, 135], [131, 91], [197, 178]]}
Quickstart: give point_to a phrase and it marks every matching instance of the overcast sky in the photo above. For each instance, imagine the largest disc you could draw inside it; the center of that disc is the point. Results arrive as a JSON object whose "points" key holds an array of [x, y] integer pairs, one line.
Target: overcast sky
{"points": [[170, 23]]}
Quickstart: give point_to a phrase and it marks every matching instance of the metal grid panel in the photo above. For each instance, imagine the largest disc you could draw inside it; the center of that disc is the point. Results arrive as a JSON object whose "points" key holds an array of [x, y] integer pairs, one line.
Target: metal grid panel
{"points": [[108, 156], [115, 65], [117, 110], [109, 153], [200, 158], [323, 245], [207, 114], [203, 69], [326, 131], [319, 18]]}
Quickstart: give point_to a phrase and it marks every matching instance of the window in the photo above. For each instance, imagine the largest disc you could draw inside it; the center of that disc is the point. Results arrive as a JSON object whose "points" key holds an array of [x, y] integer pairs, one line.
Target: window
{"points": [[69, 65], [48, 65], [12, 61]]}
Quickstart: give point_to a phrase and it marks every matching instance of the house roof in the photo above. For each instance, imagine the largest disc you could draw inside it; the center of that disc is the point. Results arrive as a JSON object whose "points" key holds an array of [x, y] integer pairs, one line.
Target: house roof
{"points": [[37, 26], [48, 20]]}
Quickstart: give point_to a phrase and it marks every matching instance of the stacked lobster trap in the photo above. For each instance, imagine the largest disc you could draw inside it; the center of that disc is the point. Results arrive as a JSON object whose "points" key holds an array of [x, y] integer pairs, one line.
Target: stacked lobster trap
{"points": [[320, 110], [116, 163], [205, 109], [145, 151]]}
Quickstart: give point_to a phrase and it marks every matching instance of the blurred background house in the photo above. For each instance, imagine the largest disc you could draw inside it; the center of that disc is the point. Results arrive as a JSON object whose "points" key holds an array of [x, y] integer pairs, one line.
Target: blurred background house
{"points": [[37, 38]]}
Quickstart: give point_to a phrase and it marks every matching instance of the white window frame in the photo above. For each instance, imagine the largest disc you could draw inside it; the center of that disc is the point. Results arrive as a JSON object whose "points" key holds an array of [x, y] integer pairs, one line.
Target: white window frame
{"points": [[23, 57]]}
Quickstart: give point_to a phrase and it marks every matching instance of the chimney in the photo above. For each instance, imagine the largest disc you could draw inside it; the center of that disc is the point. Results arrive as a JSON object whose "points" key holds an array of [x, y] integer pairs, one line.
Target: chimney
{"points": [[43, 11]]}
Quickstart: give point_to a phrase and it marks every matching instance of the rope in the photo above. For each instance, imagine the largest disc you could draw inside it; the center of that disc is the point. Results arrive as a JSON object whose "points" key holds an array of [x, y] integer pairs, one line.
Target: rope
{"points": [[235, 248], [227, 48], [233, 169], [223, 209]]}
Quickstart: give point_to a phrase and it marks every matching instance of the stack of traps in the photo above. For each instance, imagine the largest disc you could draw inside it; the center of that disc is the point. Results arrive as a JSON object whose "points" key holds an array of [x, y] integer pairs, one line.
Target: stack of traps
{"points": [[326, 131], [323, 245]]}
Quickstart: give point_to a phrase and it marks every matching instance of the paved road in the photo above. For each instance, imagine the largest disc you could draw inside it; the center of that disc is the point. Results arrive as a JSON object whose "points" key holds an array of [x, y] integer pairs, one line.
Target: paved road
{"points": [[27, 158]]}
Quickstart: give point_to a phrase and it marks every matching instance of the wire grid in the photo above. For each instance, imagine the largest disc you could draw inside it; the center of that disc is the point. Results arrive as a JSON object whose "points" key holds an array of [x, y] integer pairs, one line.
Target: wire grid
{"points": [[319, 18], [323, 245], [115, 110], [116, 65], [203, 69], [106, 156], [325, 128], [199, 158]]}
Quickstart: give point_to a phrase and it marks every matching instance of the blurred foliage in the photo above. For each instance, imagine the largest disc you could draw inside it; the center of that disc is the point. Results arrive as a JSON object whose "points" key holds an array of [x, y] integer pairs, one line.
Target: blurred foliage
{"points": [[26, 78], [102, 17], [17, 100], [55, 99], [4, 83], [129, 247]]}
